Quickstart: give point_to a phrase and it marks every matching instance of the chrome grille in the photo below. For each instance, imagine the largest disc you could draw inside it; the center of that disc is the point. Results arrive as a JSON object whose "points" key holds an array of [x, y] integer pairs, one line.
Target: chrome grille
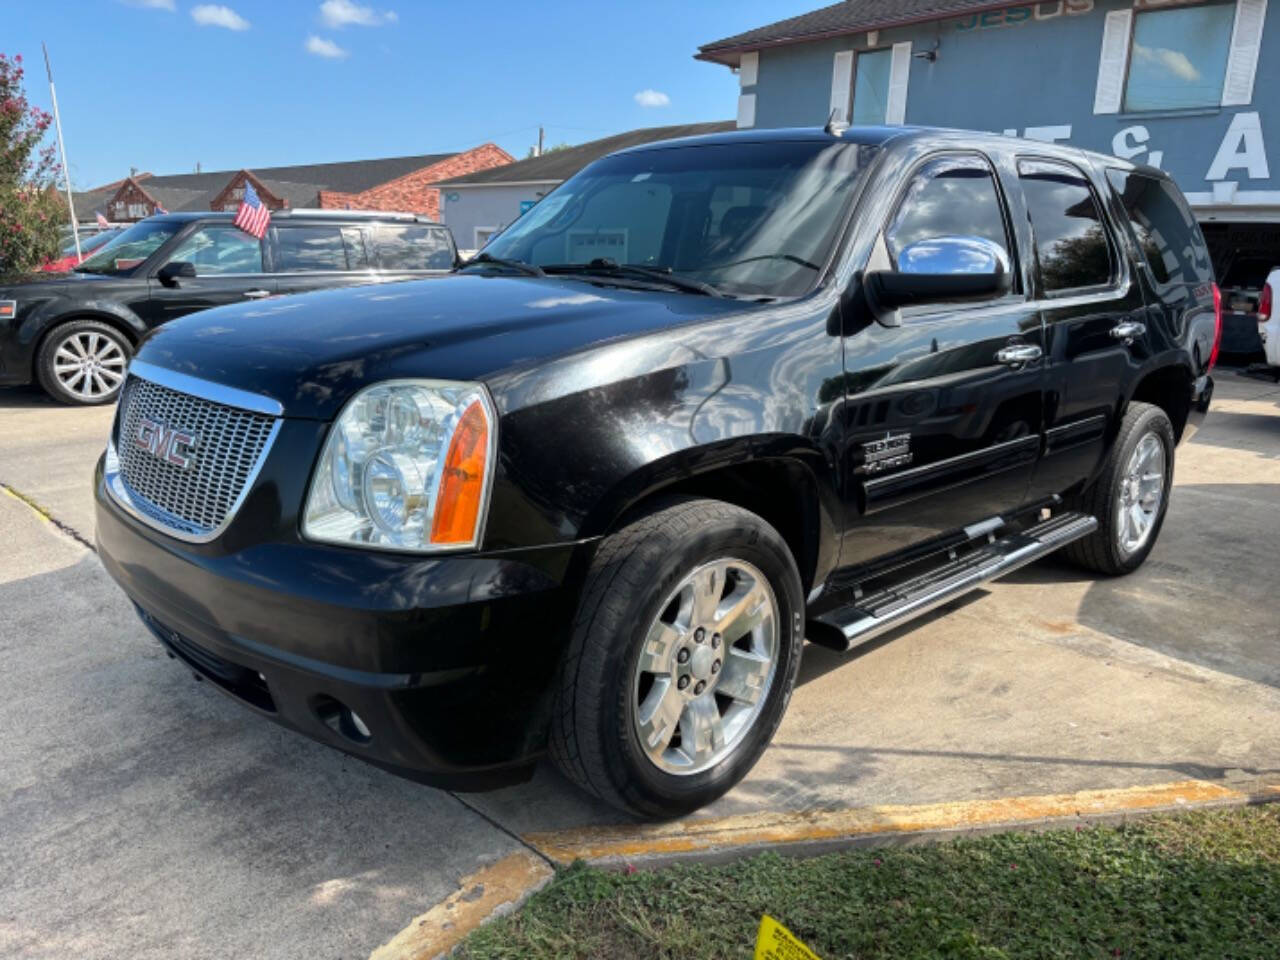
{"points": [[230, 443]]}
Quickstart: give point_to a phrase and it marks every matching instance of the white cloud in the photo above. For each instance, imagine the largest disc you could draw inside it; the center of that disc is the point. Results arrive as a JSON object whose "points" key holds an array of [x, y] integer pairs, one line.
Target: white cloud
{"points": [[325, 48], [653, 98], [152, 4], [216, 15], [342, 13], [1175, 61]]}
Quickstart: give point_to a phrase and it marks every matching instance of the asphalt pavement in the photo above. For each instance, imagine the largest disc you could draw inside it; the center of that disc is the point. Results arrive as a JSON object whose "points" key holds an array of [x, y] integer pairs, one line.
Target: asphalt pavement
{"points": [[145, 815]]}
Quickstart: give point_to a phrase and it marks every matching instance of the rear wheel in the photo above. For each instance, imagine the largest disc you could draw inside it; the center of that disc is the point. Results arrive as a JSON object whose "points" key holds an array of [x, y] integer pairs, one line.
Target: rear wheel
{"points": [[83, 362], [683, 657], [1131, 495]]}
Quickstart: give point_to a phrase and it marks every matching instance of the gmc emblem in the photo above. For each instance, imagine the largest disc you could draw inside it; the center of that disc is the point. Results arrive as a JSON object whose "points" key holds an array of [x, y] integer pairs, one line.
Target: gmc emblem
{"points": [[166, 443]]}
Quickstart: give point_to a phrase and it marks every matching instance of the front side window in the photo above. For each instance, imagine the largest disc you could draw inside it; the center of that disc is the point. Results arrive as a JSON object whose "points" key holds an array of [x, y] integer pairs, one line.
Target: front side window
{"points": [[871, 86], [128, 249], [750, 219], [220, 249], [950, 197], [1071, 242], [412, 247], [1164, 227], [1178, 59], [311, 249]]}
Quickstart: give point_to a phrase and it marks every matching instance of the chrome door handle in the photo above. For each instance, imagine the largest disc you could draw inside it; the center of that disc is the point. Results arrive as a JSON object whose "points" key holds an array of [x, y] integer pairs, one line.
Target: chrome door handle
{"points": [[257, 294], [1019, 353], [1128, 331]]}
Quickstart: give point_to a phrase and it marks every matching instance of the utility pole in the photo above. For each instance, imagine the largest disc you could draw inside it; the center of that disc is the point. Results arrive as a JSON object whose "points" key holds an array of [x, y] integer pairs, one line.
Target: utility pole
{"points": [[539, 139], [62, 146]]}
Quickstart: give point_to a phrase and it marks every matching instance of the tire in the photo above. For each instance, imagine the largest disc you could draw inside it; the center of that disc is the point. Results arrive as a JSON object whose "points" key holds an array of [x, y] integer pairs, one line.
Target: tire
{"points": [[640, 575], [1110, 549], [83, 362]]}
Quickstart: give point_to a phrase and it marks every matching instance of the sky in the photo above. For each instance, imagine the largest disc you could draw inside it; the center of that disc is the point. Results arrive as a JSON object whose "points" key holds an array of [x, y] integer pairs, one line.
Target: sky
{"points": [[162, 85]]}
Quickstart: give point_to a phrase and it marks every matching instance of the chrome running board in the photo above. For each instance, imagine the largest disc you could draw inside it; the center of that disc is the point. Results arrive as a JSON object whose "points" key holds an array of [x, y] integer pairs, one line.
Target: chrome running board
{"points": [[874, 613]]}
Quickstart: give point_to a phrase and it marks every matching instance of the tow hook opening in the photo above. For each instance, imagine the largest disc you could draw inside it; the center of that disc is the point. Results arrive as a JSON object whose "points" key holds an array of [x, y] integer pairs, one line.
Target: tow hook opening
{"points": [[341, 719]]}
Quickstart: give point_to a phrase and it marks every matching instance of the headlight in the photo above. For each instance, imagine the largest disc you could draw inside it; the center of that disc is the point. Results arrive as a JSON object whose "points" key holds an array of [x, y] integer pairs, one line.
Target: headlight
{"points": [[405, 467]]}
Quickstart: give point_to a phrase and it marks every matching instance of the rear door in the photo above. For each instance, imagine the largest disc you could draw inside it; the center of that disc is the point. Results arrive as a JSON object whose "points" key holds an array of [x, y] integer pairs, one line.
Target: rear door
{"points": [[940, 431], [1094, 314], [319, 256], [229, 269]]}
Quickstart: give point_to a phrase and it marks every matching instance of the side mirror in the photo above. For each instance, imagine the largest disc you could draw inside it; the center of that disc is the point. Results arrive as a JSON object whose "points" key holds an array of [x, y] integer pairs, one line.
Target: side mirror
{"points": [[176, 270], [942, 270]]}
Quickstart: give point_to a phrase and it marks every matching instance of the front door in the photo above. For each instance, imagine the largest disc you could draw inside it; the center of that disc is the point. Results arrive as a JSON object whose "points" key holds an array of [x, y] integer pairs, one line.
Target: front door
{"points": [[229, 269], [942, 412]]}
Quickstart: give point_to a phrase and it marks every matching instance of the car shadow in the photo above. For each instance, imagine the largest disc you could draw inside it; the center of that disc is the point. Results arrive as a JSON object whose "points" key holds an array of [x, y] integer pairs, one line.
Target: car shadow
{"points": [[27, 397]]}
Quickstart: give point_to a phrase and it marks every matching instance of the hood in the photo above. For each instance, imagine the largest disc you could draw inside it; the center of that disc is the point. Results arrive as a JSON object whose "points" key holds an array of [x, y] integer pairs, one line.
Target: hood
{"points": [[311, 352], [39, 278]]}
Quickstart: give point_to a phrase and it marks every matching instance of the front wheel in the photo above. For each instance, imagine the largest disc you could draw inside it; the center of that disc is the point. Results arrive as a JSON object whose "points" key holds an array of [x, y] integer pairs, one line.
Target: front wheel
{"points": [[682, 660], [83, 362], [1131, 495]]}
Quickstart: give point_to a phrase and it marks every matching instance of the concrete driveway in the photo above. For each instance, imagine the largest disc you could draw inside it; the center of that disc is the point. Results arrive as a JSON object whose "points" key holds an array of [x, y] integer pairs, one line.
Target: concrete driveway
{"points": [[145, 815]]}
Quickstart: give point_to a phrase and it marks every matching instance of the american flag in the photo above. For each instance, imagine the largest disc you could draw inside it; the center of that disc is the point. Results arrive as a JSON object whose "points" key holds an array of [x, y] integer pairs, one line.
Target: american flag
{"points": [[102, 221], [253, 216], [159, 209]]}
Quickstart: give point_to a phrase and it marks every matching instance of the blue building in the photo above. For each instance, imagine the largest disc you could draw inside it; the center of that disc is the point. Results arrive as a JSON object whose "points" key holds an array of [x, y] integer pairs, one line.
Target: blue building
{"points": [[1192, 88]]}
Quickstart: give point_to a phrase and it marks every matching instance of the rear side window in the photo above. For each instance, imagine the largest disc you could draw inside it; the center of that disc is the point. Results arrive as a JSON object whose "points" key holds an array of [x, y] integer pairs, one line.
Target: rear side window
{"points": [[311, 249], [951, 197], [1167, 233], [1071, 241], [412, 247]]}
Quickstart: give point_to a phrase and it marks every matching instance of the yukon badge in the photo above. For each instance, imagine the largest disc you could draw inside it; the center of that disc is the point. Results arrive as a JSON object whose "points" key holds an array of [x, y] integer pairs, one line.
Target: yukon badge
{"points": [[892, 451], [166, 443]]}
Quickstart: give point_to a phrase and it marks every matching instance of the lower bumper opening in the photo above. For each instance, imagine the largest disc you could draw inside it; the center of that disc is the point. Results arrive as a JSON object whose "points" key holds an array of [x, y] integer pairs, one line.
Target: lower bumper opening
{"points": [[241, 682]]}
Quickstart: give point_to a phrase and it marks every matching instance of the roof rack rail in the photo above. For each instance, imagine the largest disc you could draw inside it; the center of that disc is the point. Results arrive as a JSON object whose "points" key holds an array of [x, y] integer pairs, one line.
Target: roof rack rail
{"points": [[355, 214]]}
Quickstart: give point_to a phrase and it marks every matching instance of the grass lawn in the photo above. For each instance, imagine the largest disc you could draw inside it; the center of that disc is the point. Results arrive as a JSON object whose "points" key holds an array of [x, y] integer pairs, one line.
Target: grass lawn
{"points": [[1202, 884]]}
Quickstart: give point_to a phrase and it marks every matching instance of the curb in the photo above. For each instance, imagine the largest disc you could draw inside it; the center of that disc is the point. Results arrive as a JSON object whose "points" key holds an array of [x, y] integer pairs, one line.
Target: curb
{"points": [[808, 833]]}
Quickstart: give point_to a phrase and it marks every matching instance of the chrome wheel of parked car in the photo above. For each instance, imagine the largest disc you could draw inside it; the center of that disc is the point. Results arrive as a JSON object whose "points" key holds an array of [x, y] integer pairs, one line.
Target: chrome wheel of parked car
{"points": [[90, 364], [1141, 494], [706, 666]]}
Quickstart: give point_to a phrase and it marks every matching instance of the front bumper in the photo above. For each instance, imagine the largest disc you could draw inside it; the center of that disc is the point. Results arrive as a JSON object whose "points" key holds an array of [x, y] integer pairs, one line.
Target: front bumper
{"points": [[439, 669]]}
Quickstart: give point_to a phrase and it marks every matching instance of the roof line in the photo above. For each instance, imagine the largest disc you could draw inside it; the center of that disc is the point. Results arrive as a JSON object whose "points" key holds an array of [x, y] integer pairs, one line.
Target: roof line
{"points": [[710, 52]]}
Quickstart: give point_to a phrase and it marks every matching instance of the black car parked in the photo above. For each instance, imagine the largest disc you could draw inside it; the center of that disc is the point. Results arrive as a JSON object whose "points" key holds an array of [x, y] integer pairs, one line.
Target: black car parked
{"points": [[708, 399], [75, 332]]}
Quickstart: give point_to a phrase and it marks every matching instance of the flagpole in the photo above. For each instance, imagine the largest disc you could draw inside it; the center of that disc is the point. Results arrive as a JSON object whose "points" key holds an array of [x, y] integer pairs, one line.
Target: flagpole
{"points": [[62, 147]]}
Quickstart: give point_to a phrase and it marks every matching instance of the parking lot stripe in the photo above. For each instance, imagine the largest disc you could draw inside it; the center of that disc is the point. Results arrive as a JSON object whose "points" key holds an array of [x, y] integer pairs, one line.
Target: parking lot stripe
{"points": [[701, 837], [495, 889]]}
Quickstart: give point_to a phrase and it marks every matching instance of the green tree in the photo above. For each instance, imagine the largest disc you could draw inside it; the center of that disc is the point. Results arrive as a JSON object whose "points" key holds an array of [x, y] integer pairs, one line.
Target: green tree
{"points": [[30, 208]]}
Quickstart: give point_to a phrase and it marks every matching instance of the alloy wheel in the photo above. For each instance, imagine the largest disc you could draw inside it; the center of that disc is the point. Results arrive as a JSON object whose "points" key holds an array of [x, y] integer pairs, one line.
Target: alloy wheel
{"points": [[1141, 494], [705, 667], [90, 365]]}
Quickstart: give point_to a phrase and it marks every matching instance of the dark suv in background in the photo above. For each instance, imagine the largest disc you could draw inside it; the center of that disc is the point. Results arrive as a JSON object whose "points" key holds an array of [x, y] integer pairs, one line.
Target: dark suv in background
{"points": [[75, 332]]}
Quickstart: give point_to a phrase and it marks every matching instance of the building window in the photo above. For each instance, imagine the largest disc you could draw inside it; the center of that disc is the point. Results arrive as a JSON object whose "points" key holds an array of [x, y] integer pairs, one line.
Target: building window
{"points": [[484, 235], [871, 86], [1178, 58]]}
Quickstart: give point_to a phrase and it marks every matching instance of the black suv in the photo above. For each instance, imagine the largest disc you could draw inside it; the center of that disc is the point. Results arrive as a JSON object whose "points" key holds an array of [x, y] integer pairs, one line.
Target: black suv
{"points": [[75, 332], [708, 399]]}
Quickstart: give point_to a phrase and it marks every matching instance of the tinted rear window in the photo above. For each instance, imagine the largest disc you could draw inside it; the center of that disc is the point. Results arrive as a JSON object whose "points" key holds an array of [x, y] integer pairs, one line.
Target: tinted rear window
{"points": [[314, 248], [1071, 241], [1166, 231], [412, 247]]}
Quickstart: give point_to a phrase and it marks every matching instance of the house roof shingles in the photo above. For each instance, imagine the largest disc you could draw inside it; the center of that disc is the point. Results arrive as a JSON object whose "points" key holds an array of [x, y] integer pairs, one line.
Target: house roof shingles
{"points": [[848, 16], [559, 165]]}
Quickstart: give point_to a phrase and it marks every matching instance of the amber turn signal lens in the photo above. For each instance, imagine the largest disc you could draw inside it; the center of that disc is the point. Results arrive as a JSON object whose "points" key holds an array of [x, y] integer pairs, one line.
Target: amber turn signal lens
{"points": [[458, 504]]}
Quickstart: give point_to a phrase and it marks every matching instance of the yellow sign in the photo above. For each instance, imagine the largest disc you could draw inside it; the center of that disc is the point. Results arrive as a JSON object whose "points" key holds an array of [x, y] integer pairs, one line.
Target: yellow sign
{"points": [[776, 942]]}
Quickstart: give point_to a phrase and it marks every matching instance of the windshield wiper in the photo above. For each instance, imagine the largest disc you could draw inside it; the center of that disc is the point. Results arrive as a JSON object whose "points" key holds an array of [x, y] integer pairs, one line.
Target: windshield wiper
{"points": [[766, 256], [605, 267], [528, 269]]}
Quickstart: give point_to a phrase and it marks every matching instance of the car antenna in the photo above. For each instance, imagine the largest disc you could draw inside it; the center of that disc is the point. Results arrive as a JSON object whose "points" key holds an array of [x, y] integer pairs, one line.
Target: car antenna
{"points": [[835, 127]]}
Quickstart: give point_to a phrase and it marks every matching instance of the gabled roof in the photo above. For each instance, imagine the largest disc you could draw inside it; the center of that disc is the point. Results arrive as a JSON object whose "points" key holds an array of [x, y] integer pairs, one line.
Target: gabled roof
{"points": [[560, 165], [848, 16]]}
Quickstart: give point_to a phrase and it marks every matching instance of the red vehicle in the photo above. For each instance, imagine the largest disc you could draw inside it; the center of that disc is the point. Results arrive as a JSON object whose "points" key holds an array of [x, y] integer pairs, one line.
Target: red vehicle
{"points": [[69, 260]]}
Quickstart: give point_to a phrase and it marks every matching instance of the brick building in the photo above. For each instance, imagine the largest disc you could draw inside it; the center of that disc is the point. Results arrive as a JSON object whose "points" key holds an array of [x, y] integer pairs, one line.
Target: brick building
{"points": [[389, 183]]}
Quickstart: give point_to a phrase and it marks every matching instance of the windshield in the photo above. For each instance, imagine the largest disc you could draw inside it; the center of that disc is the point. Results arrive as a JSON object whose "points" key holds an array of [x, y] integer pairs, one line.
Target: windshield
{"points": [[89, 243], [750, 219], [126, 250]]}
